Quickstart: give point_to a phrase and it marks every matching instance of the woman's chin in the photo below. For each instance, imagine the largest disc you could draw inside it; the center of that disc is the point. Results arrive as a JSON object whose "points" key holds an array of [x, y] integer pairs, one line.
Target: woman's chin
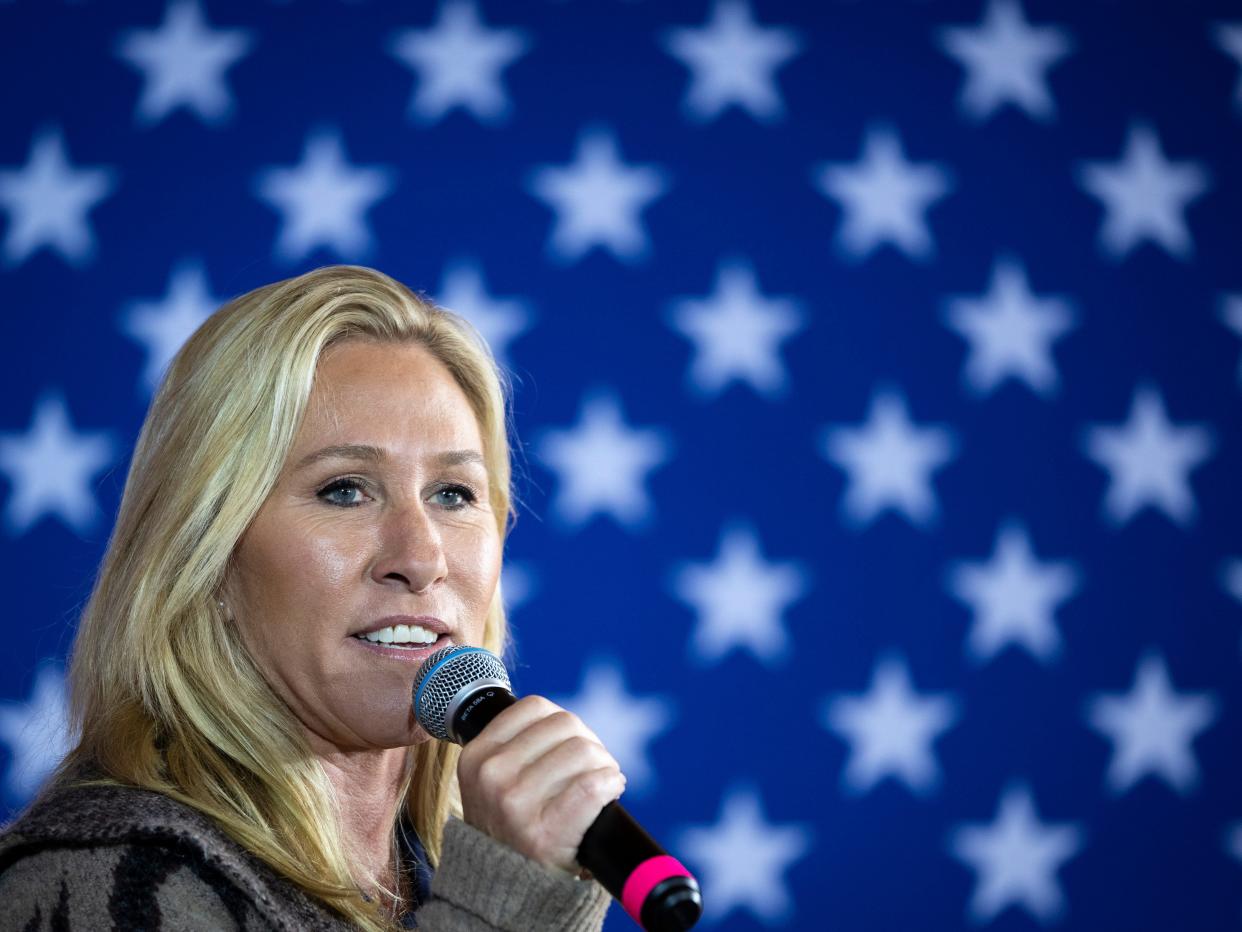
{"points": [[403, 735], [371, 729]]}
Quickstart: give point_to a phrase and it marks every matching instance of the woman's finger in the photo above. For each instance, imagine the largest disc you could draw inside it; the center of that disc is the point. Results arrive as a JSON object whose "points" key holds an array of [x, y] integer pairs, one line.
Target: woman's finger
{"points": [[578, 803], [535, 779], [539, 730], [549, 774], [514, 720]]}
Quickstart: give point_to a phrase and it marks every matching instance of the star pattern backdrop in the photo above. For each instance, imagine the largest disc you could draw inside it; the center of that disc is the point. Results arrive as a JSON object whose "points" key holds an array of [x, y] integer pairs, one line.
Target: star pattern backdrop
{"points": [[876, 373]]}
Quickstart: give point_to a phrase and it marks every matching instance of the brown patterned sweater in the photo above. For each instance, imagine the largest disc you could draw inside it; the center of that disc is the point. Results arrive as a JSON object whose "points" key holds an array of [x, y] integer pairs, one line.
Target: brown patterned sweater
{"points": [[126, 859]]}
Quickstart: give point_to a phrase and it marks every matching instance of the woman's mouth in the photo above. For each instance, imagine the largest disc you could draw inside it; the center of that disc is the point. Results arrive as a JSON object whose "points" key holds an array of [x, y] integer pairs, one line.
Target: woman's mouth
{"points": [[407, 636]]}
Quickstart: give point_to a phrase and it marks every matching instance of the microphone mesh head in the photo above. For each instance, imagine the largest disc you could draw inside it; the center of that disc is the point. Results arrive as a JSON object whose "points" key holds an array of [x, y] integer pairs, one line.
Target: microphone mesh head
{"points": [[442, 676]]}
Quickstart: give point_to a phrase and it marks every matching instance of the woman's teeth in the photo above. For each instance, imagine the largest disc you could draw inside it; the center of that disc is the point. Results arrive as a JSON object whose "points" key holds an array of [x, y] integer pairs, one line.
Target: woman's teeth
{"points": [[400, 634]]}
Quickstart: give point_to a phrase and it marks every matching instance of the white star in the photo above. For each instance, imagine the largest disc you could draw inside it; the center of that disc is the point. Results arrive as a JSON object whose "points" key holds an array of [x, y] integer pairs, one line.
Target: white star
{"points": [[602, 464], [459, 61], [323, 199], [884, 197], [1010, 331], [740, 599], [163, 326], [1231, 316], [733, 62], [742, 859], [625, 723], [737, 332], [50, 469], [889, 461], [498, 321], [1006, 60], [598, 199], [1014, 597], [1149, 460], [1144, 196], [36, 731], [1229, 37], [1016, 859], [890, 730], [183, 64], [1151, 728], [47, 202]]}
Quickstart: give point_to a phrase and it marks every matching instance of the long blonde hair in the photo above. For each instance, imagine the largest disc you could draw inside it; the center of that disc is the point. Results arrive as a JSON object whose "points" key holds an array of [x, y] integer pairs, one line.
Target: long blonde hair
{"points": [[163, 693]]}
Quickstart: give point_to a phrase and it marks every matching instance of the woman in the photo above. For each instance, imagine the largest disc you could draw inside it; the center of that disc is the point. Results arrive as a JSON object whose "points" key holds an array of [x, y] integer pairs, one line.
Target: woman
{"points": [[317, 501]]}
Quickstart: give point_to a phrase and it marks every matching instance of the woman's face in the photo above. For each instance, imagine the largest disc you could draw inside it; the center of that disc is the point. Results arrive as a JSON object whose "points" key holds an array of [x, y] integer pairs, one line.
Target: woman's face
{"points": [[377, 546]]}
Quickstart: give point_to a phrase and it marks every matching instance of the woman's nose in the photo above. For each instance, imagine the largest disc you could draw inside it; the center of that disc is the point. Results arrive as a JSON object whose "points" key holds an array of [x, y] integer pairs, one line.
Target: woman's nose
{"points": [[411, 551]]}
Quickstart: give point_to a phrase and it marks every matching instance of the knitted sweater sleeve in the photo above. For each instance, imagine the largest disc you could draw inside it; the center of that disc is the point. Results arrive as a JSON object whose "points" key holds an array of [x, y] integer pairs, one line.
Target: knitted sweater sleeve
{"points": [[482, 886]]}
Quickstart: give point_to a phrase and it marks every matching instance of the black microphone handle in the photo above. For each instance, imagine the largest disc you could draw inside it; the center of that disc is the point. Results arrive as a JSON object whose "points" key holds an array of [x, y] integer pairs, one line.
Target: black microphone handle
{"points": [[658, 893]]}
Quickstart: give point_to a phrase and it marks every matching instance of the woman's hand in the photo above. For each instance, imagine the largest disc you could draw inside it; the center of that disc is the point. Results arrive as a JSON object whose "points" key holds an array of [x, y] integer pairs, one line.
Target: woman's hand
{"points": [[535, 779]]}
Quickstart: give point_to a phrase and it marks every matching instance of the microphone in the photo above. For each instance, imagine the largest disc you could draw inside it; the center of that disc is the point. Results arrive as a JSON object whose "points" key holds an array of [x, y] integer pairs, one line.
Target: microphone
{"points": [[458, 690]]}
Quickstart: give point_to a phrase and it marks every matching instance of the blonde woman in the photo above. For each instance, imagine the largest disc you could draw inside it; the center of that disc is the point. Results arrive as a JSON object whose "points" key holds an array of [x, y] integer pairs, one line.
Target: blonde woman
{"points": [[317, 501]]}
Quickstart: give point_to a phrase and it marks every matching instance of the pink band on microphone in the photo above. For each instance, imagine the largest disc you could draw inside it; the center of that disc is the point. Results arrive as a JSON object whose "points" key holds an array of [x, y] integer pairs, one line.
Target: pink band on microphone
{"points": [[644, 878]]}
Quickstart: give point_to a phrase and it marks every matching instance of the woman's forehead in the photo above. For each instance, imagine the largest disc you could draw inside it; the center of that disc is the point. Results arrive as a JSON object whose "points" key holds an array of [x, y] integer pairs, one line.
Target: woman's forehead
{"points": [[364, 360], [387, 395]]}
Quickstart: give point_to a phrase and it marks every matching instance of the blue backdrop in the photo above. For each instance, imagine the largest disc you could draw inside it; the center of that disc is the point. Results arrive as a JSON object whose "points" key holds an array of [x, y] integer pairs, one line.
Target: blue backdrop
{"points": [[876, 366]]}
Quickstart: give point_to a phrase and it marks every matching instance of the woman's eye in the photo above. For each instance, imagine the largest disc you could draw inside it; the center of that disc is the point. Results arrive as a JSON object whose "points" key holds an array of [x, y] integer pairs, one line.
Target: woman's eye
{"points": [[454, 496], [344, 492]]}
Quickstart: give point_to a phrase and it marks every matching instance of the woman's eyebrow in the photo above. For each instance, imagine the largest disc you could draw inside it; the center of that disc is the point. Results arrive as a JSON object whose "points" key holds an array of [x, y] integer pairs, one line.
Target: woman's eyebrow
{"points": [[346, 451], [460, 458], [372, 454]]}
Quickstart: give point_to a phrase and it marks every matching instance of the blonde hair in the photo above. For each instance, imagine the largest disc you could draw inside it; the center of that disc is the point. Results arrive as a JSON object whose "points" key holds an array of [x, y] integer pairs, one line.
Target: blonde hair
{"points": [[163, 693]]}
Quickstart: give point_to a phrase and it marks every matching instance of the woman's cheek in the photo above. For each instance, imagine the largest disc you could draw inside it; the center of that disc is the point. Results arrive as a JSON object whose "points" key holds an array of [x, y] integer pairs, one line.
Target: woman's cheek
{"points": [[478, 571]]}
